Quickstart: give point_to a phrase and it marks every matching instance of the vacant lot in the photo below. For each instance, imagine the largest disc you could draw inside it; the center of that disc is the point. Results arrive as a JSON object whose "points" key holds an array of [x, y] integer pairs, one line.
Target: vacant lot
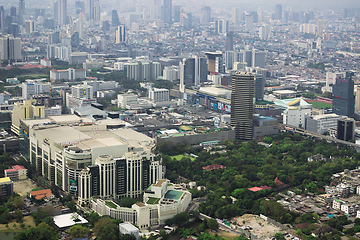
{"points": [[225, 234], [22, 187], [261, 228], [27, 220]]}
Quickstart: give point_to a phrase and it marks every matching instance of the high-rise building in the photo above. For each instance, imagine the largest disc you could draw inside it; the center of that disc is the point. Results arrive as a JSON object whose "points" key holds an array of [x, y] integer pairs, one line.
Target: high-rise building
{"points": [[39, 12], [21, 12], [357, 100], [10, 49], [229, 45], [205, 15], [193, 71], [33, 87], [235, 15], [221, 26], [249, 22], [92, 9], [177, 13], [215, 62], [167, 11], [343, 95], [2, 19], [80, 7], [346, 129], [320, 28], [259, 86], [278, 12], [114, 18], [247, 57], [229, 60], [242, 105], [82, 91], [155, 9], [120, 34], [258, 59], [13, 11], [29, 26], [60, 12], [264, 32]]}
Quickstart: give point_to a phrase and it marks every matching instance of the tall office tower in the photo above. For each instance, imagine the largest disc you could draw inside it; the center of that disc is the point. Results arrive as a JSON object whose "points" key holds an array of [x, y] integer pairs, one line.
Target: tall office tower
{"points": [[186, 21], [193, 71], [39, 12], [61, 8], [357, 100], [177, 13], [229, 45], [215, 62], [229, 60], [167, 11], [255, 16], [114, 18], [2, 19], [259, 86], [242, 105], [320, 28], [29, 26], [343, 95], [155, 9], [10, 49], [249, 22], [346, 129], [120, 34], [260, 14], [247, 57], [278, 12], [258, 59], [205, 15], [97, 10], [14, 29], [235, 15], [221, 26], [21, 12], [54, 38], [13, 11], [264, 32], [80, 7]]}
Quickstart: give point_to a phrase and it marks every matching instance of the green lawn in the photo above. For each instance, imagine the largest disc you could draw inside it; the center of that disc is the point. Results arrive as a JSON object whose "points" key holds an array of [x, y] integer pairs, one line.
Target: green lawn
{"points": [[153, 200], [321, 105], [110, 204], [179, 157]]}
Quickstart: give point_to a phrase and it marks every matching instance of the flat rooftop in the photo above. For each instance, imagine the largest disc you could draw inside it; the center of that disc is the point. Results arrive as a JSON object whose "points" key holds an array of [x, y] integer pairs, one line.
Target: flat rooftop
{"points": [[173, 194], [63, 134], [66, 220]]}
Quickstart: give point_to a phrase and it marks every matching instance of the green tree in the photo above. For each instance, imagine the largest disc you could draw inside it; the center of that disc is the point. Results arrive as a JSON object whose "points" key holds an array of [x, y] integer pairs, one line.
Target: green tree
{"points": [[127, 237], [127, 202], [19, 202], [41, 232], [213, 224], [185, 232], [79, 231], [106, 229], [18, 215], [279, 236]]}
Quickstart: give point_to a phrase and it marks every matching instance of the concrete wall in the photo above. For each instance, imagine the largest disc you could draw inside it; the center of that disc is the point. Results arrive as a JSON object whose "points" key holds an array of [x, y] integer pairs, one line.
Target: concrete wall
{"points": [[196, 139]]}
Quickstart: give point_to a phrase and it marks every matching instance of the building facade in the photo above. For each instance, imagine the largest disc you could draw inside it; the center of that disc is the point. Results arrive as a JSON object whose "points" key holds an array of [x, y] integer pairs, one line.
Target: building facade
{"points": [[343, 95], [242, 105]]}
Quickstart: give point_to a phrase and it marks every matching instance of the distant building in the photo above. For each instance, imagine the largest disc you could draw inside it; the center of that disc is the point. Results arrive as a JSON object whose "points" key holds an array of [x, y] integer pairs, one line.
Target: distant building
{"points": [[6, 187], [10, 49], [120, 34], [159, 94], [82, 91], [321, 123], [67, 74], [221, 26], [34, 87], [126, 99]]}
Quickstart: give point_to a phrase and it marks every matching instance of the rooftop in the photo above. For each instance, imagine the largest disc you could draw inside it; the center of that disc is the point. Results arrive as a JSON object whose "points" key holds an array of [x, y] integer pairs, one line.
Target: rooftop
{"points": [[173, 194], [66, 220], [5, 179], [41, 194]]}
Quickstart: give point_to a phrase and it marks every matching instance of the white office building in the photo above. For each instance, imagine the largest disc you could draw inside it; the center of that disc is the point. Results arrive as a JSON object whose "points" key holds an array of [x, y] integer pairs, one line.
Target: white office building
{"points": [[322, 123], [171, 73], [159, 95], [82, 91], [34, 87], [294, 111]]}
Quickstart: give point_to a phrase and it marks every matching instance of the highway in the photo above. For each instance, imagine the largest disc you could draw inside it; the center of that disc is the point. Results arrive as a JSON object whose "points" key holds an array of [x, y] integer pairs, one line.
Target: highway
{"points": [[301, 131]]}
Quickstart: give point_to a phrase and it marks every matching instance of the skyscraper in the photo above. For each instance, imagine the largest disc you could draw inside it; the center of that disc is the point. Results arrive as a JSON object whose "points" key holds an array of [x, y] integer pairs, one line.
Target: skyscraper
{"points": [[21, 12], [193, 71], [258, 59], [177, 13], [278, 12], [343, 95], [221, 26], [114, 18], [259, 86], [235, 15], [120, 34], [167, 11], [249, 22], [61, 8], [92, 9], [320, 28], [205, 15], [10, 49], [2, 18], [242, 105], [229, 46]]}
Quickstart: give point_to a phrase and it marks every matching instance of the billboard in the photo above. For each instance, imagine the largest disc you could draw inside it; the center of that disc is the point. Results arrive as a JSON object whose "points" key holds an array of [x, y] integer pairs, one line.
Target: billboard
{"points": [[73, 185]]}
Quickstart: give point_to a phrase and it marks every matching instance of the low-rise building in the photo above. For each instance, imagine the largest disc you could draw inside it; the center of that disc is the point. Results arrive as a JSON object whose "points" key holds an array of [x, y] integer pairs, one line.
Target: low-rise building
{"points": [[161, 201], [321, 123], [42, 194], [128, 228], [294, 111], [70, 74], [17, 172]]}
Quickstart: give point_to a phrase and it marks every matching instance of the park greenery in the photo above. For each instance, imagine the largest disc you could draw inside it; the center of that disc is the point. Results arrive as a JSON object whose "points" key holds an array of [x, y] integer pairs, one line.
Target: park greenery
{"points": [[250, 164]]}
